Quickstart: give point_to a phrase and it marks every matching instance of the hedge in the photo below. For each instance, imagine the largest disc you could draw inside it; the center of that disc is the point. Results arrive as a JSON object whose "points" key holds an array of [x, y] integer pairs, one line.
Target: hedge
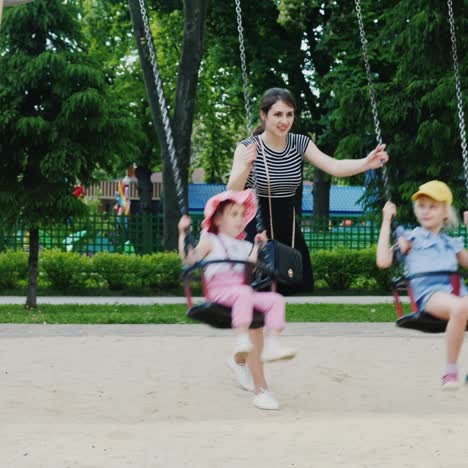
{"points": [[338, 270]]}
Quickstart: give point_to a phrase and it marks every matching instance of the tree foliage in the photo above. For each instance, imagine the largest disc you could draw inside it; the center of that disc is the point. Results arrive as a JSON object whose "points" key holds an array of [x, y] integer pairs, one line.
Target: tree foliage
{"points": [[58, 123]]}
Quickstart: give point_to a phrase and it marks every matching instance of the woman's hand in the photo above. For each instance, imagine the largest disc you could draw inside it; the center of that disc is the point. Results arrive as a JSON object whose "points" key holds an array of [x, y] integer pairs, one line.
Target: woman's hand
{"points": [[389, 211], [377, 158], [465, 218], [184, 224]]}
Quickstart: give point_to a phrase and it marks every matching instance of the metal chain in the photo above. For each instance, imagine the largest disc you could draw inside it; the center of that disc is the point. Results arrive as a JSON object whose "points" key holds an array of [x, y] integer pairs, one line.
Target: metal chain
{"points": [[245, 80], [461, 115], [164, 111], [248, 112], [372, 94]]}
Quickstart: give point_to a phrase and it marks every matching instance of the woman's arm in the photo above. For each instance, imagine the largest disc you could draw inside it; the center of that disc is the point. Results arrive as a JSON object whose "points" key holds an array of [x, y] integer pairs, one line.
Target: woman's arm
{"points": [[384, 251], [345, 167], [244, 158]]}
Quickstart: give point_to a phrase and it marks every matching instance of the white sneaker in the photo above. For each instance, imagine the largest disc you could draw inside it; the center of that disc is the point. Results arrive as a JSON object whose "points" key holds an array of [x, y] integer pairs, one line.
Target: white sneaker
{"points": [[273, 351], [242, 374], [243, 346], [266, 400]]}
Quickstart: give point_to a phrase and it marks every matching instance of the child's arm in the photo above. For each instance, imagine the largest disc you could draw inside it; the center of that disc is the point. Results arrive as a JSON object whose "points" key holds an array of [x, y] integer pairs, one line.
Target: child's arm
{"points": [[260, 239], [462, 256], [194, 254], [384, 251]]}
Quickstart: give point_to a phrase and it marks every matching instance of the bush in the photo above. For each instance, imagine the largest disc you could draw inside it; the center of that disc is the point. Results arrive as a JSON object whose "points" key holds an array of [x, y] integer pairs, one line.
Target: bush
{"points": [[342, 268], [161, 271], [120, 271], [64, 270], [13, 268], [337, 267], [382, 278]]}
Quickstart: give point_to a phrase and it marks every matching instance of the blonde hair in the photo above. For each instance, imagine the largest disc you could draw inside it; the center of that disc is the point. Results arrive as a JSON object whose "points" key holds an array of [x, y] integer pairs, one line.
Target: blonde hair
{"points": [[452, 221]]}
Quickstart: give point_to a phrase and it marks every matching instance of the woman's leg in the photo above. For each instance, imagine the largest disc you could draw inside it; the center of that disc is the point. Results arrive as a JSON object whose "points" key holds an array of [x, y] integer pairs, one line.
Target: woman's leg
{"points": [[254, 361], [454, 309]]}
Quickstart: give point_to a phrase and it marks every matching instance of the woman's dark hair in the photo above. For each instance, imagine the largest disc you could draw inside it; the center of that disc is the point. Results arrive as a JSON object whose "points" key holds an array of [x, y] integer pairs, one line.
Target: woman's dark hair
{"points": [[272, 96]]}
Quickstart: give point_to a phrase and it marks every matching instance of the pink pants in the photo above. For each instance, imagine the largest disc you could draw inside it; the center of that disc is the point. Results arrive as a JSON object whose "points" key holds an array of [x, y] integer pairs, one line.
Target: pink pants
{"points": [[228, 288]]}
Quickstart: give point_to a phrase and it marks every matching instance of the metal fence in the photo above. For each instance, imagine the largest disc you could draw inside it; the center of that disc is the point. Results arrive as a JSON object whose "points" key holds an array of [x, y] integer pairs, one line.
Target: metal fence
{"points": [[143, 234]]}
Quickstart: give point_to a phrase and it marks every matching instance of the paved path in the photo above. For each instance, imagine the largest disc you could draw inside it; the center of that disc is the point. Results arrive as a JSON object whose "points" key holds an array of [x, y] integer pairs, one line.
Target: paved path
{"points": [[301, 329], [181, 300]]}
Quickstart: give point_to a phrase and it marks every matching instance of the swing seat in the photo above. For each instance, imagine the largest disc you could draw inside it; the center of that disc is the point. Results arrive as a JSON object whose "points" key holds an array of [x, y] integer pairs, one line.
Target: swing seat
{"points": [[211, 313], [422, 321], [219, 316], [419, 319]]}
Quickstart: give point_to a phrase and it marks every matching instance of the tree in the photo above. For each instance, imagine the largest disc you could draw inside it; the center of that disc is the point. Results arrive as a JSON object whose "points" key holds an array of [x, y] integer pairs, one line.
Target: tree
{"points": [[58, 123], [410, 55], [108, 28], [187, 77]]}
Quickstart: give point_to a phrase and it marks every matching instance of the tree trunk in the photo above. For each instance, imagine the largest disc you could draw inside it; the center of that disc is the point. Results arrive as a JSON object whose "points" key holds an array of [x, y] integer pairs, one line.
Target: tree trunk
{"points": [[321, 194], [192, 48], [195, 12], [33, 268], [145, 189], [145, 217]]}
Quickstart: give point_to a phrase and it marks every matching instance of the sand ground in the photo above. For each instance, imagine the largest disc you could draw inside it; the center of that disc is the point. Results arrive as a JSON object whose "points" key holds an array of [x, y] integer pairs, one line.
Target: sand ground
{"points": [[358, 395]]}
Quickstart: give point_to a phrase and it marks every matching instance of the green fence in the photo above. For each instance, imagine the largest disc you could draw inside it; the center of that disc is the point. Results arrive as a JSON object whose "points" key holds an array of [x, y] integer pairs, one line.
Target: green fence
{"points": [[143, 234]]}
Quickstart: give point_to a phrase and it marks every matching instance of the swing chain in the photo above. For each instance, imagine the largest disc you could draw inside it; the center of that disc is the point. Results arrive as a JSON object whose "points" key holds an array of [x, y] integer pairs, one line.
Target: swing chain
{"points": [[372, 94], [461, 115], [163, 108], [245, 81]]}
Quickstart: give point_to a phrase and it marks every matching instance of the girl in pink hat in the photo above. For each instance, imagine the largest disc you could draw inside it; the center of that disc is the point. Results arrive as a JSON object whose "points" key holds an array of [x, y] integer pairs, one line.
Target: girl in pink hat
{"points": [[226, 215]]}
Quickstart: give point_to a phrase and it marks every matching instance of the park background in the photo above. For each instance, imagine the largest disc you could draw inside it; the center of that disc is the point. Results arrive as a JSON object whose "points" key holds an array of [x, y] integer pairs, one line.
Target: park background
{"points": [[74, 111]]}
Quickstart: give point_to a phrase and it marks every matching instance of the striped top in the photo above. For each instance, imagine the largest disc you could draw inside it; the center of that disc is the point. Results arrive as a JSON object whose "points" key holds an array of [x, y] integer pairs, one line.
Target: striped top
{"points": [[284, 167]]}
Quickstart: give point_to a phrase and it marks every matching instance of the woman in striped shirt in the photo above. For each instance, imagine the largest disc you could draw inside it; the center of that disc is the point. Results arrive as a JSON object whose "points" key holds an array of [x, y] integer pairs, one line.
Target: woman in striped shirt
{"points": [[285, 153]]}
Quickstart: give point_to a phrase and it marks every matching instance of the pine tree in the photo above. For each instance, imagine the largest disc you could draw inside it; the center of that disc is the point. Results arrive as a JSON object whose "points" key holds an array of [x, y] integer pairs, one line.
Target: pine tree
{"points": [[57, 121]]}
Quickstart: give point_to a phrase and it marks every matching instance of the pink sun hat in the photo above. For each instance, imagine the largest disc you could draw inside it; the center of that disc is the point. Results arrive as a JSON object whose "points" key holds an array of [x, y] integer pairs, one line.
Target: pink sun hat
{"points": [[245, 198]]}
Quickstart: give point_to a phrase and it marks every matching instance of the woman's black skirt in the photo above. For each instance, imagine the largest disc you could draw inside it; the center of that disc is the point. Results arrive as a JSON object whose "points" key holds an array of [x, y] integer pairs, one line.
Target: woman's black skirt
{"points": [[283, 212]]}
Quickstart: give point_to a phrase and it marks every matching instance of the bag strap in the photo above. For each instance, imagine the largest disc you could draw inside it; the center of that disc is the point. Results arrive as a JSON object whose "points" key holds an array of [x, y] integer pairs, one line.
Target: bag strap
{"points": [[293, 237]]}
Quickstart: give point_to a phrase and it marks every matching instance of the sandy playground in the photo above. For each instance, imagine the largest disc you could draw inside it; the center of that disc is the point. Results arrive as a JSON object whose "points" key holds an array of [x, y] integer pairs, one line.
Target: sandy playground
{"points": [[358, 395]]}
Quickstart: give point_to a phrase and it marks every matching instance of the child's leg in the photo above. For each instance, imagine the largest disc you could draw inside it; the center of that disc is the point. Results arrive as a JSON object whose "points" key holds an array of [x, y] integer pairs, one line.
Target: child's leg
{"points": [[454, 309], [273, 305], [240, 299]]}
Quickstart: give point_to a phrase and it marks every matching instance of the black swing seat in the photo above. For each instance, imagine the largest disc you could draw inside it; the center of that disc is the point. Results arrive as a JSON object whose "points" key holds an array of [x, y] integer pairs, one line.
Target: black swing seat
{"points": [[419, 319], [219, 316], [211, 313], [422, 321]]}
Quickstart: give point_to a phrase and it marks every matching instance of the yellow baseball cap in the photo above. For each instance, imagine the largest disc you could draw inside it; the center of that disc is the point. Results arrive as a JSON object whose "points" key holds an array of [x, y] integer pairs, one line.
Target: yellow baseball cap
{"points": [[435, 189]]}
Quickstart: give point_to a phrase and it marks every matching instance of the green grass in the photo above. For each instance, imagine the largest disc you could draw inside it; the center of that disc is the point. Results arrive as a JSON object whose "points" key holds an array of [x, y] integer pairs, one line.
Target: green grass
{"points": [[160, 314]]}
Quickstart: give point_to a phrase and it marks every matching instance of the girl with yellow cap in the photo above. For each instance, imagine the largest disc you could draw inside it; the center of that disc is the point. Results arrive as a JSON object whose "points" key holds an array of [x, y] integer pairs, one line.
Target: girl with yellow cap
{"points": [[428, 249]]}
